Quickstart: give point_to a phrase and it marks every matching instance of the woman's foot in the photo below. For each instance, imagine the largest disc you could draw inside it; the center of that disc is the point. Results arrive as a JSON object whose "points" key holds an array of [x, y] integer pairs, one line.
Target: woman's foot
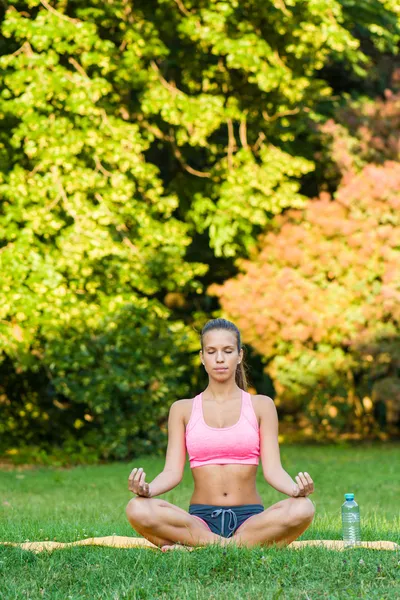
{"points": [[222, 541], [166, 548]]}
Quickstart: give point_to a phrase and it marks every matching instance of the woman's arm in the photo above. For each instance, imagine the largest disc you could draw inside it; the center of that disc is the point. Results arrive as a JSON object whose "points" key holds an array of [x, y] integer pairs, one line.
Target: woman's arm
{"points": [[164, 482], [175, 458], [281, 481], [273, 471]]}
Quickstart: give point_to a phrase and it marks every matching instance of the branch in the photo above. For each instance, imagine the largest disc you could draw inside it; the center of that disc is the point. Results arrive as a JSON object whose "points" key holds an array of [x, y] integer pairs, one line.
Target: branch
{"points": [[129, 17], [243, 133], [50, 206], [121, 228], [178, 155], [26, 48], [35, 169], [58, 14], [260, 139], [182, 8], [106, 120], [231, 142], [283, 8], [153, 129], [100, 167], [267, 117], [64, 196], [278, 58], [79, 68], [164, 82]]}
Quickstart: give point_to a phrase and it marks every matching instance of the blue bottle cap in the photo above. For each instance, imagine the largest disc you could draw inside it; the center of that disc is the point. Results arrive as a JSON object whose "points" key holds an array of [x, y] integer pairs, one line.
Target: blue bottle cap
{"points": [[349, 496]]}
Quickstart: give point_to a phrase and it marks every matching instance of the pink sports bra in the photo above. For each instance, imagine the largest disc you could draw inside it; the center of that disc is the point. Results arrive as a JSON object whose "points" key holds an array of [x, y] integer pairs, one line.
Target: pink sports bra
{"points": [[239, 443]]}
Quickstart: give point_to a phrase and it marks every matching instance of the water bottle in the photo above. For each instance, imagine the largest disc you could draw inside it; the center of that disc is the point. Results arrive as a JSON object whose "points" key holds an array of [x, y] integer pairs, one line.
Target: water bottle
{"points": [[350, 521]]}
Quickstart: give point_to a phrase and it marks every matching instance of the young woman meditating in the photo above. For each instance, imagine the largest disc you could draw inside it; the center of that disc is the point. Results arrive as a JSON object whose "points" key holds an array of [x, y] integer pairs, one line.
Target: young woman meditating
{"points": [[225, 431]]}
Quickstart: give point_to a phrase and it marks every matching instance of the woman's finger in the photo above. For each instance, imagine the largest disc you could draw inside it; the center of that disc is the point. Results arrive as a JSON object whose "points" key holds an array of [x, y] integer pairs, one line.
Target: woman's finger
{"points": [[131, 480], [303, 480], [136, 474], [135, 478], [141, 482], [309, 480], [299, 483], [299, 487], [308, 484]]}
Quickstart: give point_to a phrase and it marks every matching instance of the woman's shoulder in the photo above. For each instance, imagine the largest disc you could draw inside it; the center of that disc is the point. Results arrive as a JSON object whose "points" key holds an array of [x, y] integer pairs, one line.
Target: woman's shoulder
{"points": [[184, 407], [261, 398], [261, 404], [183, 402]]}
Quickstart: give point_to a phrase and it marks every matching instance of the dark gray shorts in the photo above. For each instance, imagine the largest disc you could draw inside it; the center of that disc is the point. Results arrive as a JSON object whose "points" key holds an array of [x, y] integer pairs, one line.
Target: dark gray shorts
{"points": [[224, 520]]}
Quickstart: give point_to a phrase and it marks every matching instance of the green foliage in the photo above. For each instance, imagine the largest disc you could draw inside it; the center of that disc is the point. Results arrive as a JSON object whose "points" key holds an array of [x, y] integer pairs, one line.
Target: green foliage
{"points": [[110, 386], [258, 189], [243, 78], [124, 131]]}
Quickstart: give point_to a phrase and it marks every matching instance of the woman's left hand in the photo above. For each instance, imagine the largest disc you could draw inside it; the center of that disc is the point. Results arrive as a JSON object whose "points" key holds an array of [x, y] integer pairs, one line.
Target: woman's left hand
{"points": [[304, 485]]}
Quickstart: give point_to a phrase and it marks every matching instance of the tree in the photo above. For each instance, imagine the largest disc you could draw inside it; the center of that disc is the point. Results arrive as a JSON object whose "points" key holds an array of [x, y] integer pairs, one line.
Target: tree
{"points": [[118, 145]]}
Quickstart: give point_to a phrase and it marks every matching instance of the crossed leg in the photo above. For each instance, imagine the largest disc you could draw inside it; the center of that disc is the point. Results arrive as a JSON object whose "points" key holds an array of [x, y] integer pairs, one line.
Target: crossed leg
{"points": [[165, 524], [280, 524]]}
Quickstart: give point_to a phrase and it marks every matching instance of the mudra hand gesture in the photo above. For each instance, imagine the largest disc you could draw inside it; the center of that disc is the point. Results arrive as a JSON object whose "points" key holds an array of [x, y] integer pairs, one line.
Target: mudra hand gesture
{"points": [[304, 485], [137, 484]]}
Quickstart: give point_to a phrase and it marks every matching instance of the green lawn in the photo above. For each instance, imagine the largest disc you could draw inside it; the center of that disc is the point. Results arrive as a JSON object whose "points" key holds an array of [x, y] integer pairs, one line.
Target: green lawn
{"points": [[71, 504]]}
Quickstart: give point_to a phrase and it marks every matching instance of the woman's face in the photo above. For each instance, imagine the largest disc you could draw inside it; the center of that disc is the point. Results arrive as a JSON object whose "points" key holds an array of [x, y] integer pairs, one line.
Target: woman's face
{"points": [[220, 356]]}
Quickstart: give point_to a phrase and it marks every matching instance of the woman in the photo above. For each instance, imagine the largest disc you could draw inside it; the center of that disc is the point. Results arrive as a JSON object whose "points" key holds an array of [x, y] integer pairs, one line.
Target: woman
{"points": [[225, 431]]}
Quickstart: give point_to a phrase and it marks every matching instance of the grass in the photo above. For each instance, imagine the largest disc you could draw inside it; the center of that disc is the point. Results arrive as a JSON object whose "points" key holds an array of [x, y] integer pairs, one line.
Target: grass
{"points": [[71, 504]]}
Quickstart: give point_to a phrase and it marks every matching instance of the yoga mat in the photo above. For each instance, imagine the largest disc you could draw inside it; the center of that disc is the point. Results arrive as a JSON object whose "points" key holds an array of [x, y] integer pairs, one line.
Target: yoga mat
{"points": [[119, 541]]}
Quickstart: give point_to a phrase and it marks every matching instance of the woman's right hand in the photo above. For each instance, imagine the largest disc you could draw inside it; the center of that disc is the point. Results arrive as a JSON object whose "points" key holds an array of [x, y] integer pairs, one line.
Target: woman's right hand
{"points": [[137, 484], [304, 485]]}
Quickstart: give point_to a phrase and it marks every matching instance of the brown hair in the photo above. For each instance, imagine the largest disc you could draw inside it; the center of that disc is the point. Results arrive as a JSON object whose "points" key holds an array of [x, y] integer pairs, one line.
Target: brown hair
{"points": [[240, 375]]}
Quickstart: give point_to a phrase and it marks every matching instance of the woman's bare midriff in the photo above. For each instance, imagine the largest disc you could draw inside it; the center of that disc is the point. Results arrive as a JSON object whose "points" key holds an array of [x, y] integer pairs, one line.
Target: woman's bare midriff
{"points": [[223, 485]]}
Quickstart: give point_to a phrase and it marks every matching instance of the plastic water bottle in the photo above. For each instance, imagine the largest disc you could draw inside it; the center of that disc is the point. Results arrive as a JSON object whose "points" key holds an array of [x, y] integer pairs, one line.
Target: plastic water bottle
{"points": [[350, 521]]}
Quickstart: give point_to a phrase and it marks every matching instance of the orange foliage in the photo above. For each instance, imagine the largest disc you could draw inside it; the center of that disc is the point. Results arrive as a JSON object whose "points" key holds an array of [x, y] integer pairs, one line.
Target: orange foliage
{"points": [[326, 281], [336, 271]]}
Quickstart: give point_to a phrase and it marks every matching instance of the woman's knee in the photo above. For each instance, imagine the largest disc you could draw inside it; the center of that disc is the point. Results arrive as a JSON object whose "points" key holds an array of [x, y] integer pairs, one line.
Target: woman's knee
{"points": [[138, 510], [301, 510]]}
